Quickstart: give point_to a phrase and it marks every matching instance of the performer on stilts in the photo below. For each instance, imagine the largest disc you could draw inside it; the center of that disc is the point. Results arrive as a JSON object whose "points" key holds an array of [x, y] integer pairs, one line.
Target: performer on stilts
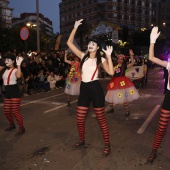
{"points": [[90, 88], [165, 110], [73, 79], [12, 97], [121, 90]]}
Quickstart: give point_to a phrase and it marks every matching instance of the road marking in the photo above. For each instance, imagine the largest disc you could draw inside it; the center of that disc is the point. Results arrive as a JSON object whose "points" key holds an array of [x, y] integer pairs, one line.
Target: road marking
{"points": [[147, 121], [35, 101], [59, 107]]}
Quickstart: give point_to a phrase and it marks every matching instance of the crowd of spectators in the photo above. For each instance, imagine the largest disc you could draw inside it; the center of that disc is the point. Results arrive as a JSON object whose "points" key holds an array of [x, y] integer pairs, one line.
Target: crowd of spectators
{"points": [[41, 72]]}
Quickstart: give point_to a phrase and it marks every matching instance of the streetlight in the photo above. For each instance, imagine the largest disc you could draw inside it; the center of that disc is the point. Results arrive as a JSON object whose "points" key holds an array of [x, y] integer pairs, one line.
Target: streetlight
{"points": [[164, 24], [38, 26], [30, 25]]}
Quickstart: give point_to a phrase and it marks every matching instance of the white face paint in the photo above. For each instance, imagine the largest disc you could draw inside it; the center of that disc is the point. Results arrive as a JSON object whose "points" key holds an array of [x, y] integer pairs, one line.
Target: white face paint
{"points": [[8, 62], [92, 46]]}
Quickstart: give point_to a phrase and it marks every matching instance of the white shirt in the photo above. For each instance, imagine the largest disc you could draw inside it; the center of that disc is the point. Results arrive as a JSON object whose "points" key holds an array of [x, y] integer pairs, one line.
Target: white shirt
{"points": [[12, 80], [168, 68], [88, 69]]}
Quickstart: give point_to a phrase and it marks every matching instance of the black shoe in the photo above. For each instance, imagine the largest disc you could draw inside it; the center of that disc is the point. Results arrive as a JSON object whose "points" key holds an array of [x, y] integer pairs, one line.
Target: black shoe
{"points": [[127, 114], [11, 127], [78, 145], [151, 158], [110, 110], [107, 150], [68, 103], [21, 131]]}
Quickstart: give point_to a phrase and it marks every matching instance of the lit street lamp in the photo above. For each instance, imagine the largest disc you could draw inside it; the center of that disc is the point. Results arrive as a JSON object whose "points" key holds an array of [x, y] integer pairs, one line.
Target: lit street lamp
{"points": [[164, 24], [31, 25]]}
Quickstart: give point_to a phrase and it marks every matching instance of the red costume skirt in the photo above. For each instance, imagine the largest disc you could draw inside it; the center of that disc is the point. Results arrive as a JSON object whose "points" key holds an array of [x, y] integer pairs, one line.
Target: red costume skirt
{"points": [[121, 90]]}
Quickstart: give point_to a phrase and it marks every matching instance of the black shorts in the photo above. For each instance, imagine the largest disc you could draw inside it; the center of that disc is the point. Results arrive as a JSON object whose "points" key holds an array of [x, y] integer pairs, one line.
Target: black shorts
{"points": [[12, 91], [166, 102], [91, 92]]}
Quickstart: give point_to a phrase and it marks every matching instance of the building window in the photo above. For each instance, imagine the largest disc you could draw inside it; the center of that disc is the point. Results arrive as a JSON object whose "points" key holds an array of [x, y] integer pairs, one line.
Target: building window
{"points": [[114, 15], [143, 4], [114, 8], [143, 20]]}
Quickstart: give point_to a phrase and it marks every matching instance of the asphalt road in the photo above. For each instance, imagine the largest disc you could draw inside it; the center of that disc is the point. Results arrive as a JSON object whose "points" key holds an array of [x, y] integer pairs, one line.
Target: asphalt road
{"points": [[51, 131]]}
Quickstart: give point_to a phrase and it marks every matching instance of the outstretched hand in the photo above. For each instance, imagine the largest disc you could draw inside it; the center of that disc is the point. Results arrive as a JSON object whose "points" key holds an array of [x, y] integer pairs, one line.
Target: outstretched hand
{"points": [[78, 23], [154, 34], [108, 50], [19, 60]]}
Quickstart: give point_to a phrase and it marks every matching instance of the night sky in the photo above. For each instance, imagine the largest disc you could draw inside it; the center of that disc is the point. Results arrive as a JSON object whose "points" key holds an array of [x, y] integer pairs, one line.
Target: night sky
{"points": [[49, 8]]}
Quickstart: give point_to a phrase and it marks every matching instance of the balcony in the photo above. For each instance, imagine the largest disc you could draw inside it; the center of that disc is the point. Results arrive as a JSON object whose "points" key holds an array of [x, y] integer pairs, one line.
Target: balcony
{"points": [[101, 1]]}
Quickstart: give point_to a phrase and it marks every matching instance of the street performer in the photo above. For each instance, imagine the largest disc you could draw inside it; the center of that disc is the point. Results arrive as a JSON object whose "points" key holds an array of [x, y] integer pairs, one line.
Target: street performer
{"points": [[12, 98], [165, 110], [90, 88]]}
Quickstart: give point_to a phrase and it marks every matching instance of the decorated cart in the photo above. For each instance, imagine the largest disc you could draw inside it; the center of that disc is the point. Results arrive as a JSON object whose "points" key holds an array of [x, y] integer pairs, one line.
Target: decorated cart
{"points": [[138, 72]]}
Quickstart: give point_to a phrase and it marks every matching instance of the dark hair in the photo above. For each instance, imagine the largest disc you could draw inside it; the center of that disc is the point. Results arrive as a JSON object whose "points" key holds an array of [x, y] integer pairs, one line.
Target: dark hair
{"points": [[12, 57], [98, 56]]}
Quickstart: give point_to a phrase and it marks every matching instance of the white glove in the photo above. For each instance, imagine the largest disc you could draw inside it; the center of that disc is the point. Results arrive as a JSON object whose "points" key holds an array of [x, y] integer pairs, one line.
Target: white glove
{"points": [[154, 34], [19, 60], [108, 50], [78, 23]]}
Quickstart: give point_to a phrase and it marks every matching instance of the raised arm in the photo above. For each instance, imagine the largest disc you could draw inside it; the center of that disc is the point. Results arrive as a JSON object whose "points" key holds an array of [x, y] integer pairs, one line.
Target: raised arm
{"points": [[132, 59], [65, 57], [153, 36], [18, 72], [70, 40], [108, 65]]}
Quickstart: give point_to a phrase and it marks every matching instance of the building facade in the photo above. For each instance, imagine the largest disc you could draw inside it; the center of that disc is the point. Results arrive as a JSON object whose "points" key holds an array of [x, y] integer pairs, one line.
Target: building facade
{"points": [[161, 15], [30, 20], [5, 14], [121, 15]]}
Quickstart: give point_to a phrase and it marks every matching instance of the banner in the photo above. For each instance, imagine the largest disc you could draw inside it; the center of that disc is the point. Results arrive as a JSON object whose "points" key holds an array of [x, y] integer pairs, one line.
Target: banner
{"points": [[57, 43]]}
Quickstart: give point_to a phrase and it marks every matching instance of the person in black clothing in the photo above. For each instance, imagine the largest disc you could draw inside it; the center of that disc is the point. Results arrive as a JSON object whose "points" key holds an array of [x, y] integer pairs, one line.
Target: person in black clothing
{"points": [[165, 109], [90, 88], [165, 79], [12, 98]]}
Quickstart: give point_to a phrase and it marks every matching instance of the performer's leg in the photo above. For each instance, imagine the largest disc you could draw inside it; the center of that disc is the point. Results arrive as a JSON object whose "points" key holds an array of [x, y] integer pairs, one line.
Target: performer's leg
{"points": [[126, 106], [104, 127], [163, 123], [81, 116], [68, 100], [8, 114], [15, 109], [111, 108]]}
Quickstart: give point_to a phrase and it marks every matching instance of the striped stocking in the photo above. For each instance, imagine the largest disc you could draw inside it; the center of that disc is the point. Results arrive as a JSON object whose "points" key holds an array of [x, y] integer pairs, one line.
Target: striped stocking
{"points": [[102, 122], [15, 110], [7, 111], [81, 116], [163, 123]]}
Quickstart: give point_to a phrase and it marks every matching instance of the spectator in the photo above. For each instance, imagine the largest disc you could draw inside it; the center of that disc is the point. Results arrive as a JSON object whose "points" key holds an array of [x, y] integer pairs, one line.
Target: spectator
{"points": [[51, 80]]}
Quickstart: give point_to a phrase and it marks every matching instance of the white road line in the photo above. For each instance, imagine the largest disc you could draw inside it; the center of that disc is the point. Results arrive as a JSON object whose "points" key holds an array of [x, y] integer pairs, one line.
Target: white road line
{"points": [[35, 101], [59, 107], [147, 121]]}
